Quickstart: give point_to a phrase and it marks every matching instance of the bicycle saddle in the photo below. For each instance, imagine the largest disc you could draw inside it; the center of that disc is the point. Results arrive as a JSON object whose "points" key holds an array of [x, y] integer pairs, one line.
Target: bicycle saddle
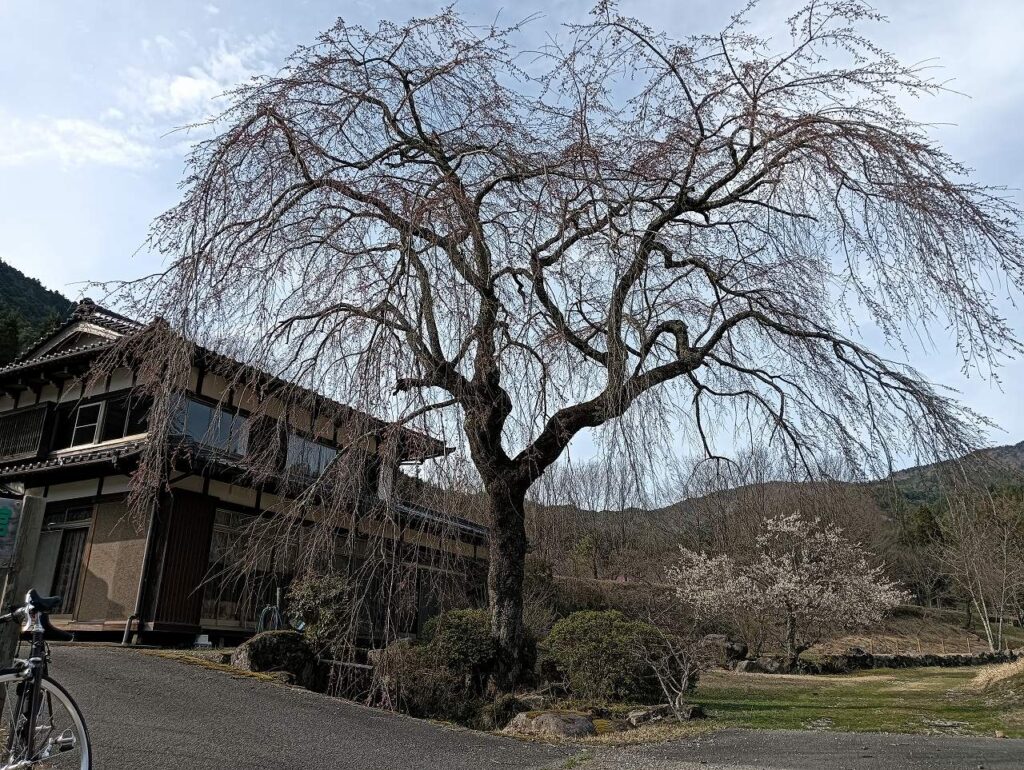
{"points": [[43, 603]]}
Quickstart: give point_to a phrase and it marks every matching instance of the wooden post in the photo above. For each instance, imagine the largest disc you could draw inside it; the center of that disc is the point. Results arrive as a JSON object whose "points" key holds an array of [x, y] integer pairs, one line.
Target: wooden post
{"points": [[919, 645], [942, 641], [18, 543]]}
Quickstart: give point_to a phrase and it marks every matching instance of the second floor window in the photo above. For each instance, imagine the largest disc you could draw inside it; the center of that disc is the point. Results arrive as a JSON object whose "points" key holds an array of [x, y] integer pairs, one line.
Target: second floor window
{"points": [[98, 421], [308, 457], [126, 416], [87, 420], [212, 427]]}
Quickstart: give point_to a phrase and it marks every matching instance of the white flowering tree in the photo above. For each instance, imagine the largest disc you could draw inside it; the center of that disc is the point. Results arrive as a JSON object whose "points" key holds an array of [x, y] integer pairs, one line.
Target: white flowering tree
{"points": [[803, 582]]}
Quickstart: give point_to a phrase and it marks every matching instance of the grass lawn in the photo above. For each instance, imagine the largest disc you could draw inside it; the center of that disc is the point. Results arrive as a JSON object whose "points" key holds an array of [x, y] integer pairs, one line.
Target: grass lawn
{"points": [[918, 700]]}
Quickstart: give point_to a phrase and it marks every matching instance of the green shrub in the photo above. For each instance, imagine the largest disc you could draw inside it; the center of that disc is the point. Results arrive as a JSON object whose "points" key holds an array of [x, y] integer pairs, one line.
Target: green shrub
{"points": [[445, 675], [461, 641], [601, 656], [324, 605], [409, 678]]}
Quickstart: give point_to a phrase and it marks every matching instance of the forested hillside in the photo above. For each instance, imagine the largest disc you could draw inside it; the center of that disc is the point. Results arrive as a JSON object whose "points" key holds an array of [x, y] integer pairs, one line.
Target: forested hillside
{"points": [[598, 537], [27, 311], [994, 468]]}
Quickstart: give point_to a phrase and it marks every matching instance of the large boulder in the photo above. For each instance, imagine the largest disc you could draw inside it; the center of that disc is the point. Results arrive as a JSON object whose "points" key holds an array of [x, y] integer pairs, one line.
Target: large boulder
{"points": [[559, 724], [284, 652]]}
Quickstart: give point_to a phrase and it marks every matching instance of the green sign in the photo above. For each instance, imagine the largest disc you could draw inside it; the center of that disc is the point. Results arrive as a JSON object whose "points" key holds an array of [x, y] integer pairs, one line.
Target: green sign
{"points": [[10, 516]]}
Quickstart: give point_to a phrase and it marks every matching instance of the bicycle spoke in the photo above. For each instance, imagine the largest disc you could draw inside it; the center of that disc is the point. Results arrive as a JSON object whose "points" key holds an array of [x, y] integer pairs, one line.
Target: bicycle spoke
{"points": [[58, 740]]}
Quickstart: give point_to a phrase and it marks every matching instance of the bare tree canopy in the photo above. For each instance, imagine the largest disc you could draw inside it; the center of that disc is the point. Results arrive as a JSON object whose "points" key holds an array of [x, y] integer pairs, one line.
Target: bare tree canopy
{"points": [[530, 243]]}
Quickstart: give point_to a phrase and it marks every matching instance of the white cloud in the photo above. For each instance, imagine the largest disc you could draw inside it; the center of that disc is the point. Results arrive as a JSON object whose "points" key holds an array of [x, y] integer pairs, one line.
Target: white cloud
{"points": [[152, 102], [160, 44], [70, 142], [188, 95], [211, 9]]}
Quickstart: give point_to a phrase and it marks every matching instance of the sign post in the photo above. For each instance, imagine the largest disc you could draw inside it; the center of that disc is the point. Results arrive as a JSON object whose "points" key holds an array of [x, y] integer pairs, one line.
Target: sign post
{"points": [[21, 520], [10, 518]]}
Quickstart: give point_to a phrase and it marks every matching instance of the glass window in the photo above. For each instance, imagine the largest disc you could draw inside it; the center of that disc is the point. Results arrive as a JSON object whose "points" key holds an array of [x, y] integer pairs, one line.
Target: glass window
{"points": [[57, 519], [308, 457], [232, 433], [235, 597], [125, 416], [87, 419], [109, 420], [64, 426], [138, 416], [213, 427], [114, 420]]}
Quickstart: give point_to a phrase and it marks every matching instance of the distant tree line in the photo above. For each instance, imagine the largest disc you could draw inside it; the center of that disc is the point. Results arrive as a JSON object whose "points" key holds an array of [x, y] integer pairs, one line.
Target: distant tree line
{"points": [[28, 311]]}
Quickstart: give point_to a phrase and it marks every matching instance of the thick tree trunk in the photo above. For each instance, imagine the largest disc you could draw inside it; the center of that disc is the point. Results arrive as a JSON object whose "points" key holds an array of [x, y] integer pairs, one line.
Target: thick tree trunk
{"points": [[507, 547]]}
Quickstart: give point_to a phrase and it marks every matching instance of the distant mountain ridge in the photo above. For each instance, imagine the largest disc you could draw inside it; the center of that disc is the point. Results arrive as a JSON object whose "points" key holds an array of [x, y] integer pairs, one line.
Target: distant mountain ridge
{"points": [[27, 310], [994, 467]]}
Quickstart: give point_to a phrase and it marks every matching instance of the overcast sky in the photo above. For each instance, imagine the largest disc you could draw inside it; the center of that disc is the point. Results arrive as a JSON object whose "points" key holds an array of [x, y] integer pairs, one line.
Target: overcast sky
{"points": [[90, 91]]}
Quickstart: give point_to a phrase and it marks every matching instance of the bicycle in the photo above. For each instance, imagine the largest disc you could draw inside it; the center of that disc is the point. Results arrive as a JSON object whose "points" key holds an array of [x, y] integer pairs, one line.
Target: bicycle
{"points": [[41, 726]]}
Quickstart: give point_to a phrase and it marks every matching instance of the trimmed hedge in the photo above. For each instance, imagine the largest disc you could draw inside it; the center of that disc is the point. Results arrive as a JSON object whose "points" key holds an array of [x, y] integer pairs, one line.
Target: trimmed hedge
{"points": [[416, 684], [460, 640], [601, 656]]}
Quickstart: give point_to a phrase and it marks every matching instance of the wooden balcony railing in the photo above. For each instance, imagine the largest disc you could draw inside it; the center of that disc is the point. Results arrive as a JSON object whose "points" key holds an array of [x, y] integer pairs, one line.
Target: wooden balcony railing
{"points": [[23, 433]]}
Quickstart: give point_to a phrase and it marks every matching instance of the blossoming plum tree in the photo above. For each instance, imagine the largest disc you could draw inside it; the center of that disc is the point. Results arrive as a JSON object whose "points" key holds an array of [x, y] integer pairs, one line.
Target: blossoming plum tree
{"points": [[803, 582]]}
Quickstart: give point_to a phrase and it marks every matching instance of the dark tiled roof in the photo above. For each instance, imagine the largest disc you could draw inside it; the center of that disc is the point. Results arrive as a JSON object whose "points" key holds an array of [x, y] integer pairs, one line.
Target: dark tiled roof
{"points": [[89, 311], [110, 455], [68, 353], [440, 519], [89, 456]]}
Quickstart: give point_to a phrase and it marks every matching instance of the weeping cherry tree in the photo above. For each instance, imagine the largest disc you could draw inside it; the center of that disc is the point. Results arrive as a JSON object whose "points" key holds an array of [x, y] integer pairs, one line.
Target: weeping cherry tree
{"points": [[446, 225]]}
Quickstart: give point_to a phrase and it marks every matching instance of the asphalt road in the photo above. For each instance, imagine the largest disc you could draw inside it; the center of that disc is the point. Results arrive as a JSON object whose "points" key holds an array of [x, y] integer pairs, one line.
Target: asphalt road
{"points": [[149, 712], [158, 714]]}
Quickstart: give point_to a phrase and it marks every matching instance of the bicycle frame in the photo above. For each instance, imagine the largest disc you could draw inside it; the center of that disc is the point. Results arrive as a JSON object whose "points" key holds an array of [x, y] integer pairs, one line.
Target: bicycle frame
{"points": [[29, 694]]}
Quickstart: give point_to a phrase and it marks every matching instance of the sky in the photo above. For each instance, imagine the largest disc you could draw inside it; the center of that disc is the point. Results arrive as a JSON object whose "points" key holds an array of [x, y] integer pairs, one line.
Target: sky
{"points": [[92, 92]]}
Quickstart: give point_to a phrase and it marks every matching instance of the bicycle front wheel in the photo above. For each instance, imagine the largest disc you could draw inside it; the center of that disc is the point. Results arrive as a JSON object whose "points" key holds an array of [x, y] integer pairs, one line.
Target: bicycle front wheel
{"points": [[60, 740]]}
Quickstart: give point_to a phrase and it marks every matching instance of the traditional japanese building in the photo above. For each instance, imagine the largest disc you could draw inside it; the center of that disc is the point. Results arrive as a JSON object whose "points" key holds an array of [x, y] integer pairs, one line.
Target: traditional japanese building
{"points": [[76, 444]]}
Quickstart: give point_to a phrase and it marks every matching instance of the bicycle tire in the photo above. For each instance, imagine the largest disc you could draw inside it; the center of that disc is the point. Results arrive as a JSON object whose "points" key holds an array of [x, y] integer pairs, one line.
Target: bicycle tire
{"points": [[51, 688]]}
